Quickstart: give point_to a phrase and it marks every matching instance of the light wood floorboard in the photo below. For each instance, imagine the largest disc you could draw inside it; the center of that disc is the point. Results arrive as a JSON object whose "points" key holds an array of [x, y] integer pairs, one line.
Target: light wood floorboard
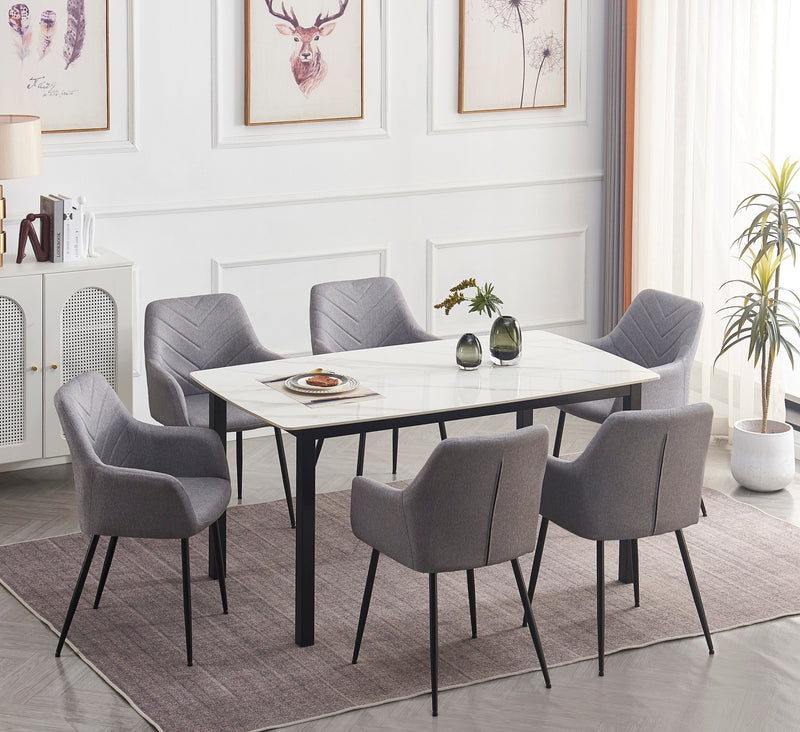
{"points": [[751, 683]]}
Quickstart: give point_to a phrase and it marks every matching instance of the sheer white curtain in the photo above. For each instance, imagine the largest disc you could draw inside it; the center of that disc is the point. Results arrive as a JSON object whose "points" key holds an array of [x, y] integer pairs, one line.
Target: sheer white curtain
{"points": [[716, 82]]}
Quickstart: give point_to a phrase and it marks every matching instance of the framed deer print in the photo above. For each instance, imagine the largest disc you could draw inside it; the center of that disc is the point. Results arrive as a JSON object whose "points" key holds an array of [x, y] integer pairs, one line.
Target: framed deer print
{"points": [[54, 56], [512, 55], [303, 61]]}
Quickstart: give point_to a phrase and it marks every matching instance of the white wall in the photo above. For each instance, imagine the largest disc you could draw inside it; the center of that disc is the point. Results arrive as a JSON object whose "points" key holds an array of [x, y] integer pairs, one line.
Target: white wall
{"points": [[200, 201]]}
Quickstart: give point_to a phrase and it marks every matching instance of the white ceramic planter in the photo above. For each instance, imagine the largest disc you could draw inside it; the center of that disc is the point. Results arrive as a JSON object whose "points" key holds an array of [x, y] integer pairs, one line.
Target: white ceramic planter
{"points": [[762, 462]]}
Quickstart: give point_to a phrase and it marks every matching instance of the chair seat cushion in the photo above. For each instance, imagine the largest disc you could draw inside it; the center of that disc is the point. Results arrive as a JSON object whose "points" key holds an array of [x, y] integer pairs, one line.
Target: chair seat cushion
{"points": [[209, 497], [238, 419], [596, 411]]}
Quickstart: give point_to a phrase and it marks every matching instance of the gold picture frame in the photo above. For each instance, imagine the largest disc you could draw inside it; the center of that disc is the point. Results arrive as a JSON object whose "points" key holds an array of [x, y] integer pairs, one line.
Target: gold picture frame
{"points": [[303, 73], [54, 58], [512, 55]]}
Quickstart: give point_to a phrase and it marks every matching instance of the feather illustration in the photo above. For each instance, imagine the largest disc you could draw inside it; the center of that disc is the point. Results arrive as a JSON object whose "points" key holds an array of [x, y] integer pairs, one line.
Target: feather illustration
{"points": [[47, 28], [76, 29], [19, 20]]}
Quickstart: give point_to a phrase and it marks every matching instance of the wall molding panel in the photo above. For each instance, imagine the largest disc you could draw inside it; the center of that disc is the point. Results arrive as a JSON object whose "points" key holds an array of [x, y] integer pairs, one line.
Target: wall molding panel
{"points": [[443, 79], [275, 290], [227, 87], [539, 276]]}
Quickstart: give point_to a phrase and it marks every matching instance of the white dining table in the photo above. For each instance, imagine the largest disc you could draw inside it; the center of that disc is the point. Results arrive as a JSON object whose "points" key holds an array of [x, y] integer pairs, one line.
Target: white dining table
{"points": [[417, 383]]}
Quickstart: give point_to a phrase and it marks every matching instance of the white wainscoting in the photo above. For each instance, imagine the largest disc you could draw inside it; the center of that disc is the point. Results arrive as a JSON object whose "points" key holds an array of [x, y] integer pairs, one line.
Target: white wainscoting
{"points": [[443, 55], [275, 291], [228, 82], [539, 276]]}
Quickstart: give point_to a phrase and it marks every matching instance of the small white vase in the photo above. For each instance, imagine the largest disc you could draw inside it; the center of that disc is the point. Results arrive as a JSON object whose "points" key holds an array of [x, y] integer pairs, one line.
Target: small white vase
{"points": [[762, 461]]}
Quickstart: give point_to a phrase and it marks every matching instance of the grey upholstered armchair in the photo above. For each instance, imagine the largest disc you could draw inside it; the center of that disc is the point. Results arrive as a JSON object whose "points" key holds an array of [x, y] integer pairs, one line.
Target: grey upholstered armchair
{"points": [[368, 313], [495, 483], [186, 334], [641, 475], [139, 480], [659, 331]]}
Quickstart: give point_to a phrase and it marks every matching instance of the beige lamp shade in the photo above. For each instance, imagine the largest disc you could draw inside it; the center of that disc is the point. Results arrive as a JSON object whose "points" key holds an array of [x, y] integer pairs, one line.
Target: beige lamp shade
{"points": [[20, 146]]}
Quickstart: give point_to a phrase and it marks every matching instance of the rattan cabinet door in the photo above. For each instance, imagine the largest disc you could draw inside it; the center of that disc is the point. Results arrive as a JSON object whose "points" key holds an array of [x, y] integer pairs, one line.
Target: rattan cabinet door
{"points": [[20, 368], [87, 317]]}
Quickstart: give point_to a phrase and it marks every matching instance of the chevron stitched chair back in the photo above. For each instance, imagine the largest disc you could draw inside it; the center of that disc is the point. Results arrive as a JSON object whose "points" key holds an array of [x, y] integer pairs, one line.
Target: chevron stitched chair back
{"points": [[366, 313]]}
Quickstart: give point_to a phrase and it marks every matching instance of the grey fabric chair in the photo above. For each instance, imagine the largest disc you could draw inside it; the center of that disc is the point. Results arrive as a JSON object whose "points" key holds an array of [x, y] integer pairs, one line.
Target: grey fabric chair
{"points": [[139, 480], [186, 334], [367, 313], [641, 475], [474, 503], [659, 331]]}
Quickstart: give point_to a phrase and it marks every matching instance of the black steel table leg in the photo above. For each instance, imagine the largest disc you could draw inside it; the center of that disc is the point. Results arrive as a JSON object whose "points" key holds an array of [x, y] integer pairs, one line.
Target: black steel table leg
{"points": [[524, 418], [218, 421], [304, 542], [627, 570]]}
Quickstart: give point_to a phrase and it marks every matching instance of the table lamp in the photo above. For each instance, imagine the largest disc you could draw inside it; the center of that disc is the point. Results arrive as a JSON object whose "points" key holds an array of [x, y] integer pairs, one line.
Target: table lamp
{"points": [[20, 156]]}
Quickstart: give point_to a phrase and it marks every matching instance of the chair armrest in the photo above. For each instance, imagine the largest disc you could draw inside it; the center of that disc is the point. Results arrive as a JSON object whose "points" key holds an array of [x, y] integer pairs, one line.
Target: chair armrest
{"points": [[257, 353], [189, 452], [670, 390], [165, 397], [418, 335], [378, 519], [138, 503]]}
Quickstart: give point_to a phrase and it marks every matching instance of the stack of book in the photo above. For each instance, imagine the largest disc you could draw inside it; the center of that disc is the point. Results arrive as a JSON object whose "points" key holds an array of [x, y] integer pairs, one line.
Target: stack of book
{"points": [[66, 227]]}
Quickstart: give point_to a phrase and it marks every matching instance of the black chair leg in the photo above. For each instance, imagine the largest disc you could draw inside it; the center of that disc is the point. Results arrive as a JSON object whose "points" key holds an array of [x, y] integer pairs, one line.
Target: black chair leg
{"points": [[362, 446], [76, 594], [635, 557], [442, 431], [530, 620], [187, 598], [698, 602], [601, 608], [287, 486], [221, 575], [112, 545], [434, 632], [559, 433], [362, 618], [703, 508], [473, 610], [239, 462], [537, 562], [395, 445]]}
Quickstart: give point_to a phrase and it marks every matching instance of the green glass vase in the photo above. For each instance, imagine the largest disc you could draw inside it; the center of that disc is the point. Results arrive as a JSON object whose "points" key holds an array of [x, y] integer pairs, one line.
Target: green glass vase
{"points": [[505, 341], [468, 352]]}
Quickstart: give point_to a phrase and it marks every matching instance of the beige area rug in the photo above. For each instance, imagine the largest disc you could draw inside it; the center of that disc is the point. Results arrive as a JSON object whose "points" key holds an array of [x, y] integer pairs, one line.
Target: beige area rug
{"points": [[248, 674]]}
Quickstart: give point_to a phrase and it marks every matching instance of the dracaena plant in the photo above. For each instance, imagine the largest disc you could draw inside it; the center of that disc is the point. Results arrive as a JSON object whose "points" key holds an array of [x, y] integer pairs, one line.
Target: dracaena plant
{"points": [[483, 301], [765, 315]]}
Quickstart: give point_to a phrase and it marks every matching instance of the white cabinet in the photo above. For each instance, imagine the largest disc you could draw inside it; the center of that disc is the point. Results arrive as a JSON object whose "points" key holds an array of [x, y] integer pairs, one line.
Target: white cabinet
{"points": [[57, 321]]}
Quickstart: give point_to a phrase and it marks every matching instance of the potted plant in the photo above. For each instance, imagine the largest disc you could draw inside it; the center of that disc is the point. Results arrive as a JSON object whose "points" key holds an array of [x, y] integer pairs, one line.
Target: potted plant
{"points": [[765, 316], [505, 337]]}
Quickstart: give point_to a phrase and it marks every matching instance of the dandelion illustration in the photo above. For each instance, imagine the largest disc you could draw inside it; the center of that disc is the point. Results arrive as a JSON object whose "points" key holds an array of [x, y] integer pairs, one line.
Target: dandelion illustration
{"points": [[546, 52], [514, 15]]}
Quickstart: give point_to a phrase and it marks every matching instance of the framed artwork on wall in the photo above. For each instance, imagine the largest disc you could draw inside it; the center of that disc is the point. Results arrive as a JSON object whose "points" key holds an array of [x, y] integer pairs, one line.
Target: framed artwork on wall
{"points": [[54, 56], [303, 61], [512, 55]]}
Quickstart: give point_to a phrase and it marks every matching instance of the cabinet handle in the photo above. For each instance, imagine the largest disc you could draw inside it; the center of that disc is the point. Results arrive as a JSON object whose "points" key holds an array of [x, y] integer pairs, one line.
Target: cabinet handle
{"points": [[54, 366], [34, 368]]}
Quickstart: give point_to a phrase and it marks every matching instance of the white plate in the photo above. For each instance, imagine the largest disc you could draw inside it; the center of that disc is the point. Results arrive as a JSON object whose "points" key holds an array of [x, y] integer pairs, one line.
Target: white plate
{"points": [[298, 383]]}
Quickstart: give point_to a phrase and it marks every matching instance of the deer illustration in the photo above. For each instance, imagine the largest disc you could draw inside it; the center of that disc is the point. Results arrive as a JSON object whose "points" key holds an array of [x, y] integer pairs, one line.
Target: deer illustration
{"points": [[308, 66]]}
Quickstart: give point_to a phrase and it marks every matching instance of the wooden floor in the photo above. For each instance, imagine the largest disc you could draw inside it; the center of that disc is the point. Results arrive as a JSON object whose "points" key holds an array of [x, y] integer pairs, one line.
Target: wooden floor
{"points": [[750, 684]]}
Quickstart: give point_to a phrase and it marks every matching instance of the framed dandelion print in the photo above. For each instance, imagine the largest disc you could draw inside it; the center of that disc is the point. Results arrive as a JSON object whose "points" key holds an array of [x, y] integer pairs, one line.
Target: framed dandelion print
{"points": [[303, 61], [512, 55], [54, 56]]}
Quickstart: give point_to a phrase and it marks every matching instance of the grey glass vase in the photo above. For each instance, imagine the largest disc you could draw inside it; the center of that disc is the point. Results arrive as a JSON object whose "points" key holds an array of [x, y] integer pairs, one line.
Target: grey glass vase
{"points": [[468, 352], [505, 341]]}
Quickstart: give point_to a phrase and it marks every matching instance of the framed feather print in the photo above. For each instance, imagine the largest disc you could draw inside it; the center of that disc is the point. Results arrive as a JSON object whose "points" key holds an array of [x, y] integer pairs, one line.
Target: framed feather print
{"points": [[303, 61], [512, 55], [54, 56]]}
